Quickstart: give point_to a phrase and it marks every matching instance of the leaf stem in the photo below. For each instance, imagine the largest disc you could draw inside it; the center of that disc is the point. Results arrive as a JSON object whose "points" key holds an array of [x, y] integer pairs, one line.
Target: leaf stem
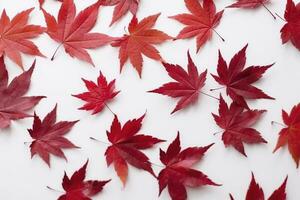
{"points": [[216, 89], [209, 95], [280, 124], [109, 109], [92, 138], [268, 10], [219, 35], [216, 133], [50, 188], [280, 17], [52, 58]]}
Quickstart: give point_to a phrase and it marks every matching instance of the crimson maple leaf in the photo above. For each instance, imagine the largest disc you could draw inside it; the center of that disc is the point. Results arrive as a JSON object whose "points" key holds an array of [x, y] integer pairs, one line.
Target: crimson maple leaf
{"points": [[98, 95], [238, 80], [74, 32], [126, 145], [178, 173], [15, 35], [201, 23], [78, 189], [236, 122], [49, 137], [140, 40], [291, 30], [188, 84], [256, 193], [290, 135], [13, 104]]}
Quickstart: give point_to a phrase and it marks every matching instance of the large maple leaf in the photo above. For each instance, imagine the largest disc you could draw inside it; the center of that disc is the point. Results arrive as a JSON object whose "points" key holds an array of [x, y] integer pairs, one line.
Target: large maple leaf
{"points": [[140, 40], [256, 193], [126, 143], [49, 137], [121, 8], [238, 80], [291, 30], [74, 32], [188, 84], [237, 122], [178, 173], [77, 188], [98, 95], [13, 104], [290, 135], [15, 35], [201, 23]]}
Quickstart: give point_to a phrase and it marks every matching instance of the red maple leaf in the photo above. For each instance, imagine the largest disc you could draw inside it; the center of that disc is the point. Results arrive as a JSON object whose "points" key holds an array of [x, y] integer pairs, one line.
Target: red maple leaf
{"points": [[74, 32], [15, 35], [290, 135], [236, 122], [188, 84], [256, 193], [78, 189], [238, 80], [49, 137], [201, 23], [291, 30], [178, 173], [140, 40], [13, 105], [98, 95], [126, 145], [121, 8]]}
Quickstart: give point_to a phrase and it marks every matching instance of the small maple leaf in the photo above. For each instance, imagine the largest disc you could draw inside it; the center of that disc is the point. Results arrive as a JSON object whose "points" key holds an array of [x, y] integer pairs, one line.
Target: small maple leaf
{"points": [[188, 84], [126, 145], [236, 122], [290, 135], [178, 173], [98, 95], [77, 188], [74, 32], [13, 105], [238, 80], [256, 193], [15, 35], [49, 137], [140, 40], [201, 23]]}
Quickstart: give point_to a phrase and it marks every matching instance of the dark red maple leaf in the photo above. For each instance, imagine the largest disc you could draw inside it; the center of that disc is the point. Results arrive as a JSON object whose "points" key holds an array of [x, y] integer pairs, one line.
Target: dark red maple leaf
{"points": [[140, 40], [126, 145], [15, 35], [256, 193], [201, 23], [178, 173], [291, 30], [13, 104], [290, 135], [78, 189], [238, 80], [188, 84], [74, 32], [49, 137], [236, 122], [98, 95]]}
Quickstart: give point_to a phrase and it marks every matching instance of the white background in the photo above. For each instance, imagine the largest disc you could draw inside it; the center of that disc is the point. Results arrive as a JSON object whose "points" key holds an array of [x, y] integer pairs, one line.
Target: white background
{"points": [[24, 178]]}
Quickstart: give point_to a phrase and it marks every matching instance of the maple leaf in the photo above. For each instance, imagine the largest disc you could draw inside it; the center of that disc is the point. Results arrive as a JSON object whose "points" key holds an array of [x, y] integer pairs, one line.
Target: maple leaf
{"points": [[291, 30], [74, 32], [121, 8], [126, 143], [178, 173], [13, 104], [98, 94], [290, 135], [187, 86], [140, 40], [256, 193], [201, 23], [236, 122], [78, 189], [238, 80], [49, 137], [15, 35]]}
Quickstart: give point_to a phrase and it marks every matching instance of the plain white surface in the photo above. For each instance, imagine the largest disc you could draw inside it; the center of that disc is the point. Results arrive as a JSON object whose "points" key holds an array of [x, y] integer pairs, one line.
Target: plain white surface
{"points": [[24, 178]]}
